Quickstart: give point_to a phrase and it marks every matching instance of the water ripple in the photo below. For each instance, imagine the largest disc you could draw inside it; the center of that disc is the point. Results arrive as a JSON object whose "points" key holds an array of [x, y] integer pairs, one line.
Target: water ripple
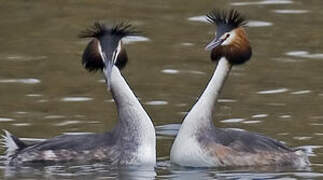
{"points": [[133, 39], [251, 122], [176, 71], [290, 11], [76, 99], [301, 92], [232, 120], [227, 100], [34, 95], [2, 119], [286, 116], [264, 2], [54, 117], [69, 122], [168, 129], [305, 54], [253, 23], [259, 116], [21, 124], [23, 81], [273, 91], [156, 103], [24, 58], [170, 71]]}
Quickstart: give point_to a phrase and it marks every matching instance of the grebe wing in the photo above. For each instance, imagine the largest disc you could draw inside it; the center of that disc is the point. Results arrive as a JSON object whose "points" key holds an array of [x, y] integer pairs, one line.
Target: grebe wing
{"points": [[72, 142], [245, 141]]}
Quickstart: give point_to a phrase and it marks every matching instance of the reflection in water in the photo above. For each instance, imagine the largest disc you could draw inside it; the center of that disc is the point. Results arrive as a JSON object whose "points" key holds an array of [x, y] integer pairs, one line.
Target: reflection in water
{"points": [[92, 171]]}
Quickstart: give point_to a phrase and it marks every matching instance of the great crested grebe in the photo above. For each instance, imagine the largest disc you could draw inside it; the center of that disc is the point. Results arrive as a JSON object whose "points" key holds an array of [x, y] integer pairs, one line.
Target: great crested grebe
{"points": [[199, 143], [133, 139]]}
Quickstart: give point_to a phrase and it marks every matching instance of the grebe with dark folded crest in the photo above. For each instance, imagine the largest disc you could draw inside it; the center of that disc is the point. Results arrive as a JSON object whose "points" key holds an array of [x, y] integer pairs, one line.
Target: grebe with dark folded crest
{"points": [[133, 139], [199, 143]]}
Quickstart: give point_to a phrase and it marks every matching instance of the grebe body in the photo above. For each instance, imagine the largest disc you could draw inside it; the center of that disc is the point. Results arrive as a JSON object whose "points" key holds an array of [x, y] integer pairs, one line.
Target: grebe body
{"points": [[199, 143], [133, 139]]}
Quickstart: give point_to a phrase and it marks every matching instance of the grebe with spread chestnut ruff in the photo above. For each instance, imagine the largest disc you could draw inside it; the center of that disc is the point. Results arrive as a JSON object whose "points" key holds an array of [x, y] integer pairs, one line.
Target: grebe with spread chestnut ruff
{"points": [[199, 143]]}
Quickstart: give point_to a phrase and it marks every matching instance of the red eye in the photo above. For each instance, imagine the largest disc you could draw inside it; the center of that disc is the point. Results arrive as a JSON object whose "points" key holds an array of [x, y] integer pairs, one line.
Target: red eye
{"points": [[227, 36]]}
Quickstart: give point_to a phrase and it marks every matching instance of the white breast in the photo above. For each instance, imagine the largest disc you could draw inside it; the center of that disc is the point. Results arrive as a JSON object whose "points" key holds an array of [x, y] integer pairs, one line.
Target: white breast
{"points": [[188, 152]]}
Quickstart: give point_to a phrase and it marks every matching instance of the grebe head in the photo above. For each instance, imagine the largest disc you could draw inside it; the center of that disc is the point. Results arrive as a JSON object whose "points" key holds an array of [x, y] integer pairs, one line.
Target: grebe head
{"points": [[106, 49], [230, 38]]}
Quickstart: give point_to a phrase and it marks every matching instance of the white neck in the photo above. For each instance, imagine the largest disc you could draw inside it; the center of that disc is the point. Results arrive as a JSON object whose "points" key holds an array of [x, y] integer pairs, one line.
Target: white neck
{"points": [[200, 115], [134, 123]]}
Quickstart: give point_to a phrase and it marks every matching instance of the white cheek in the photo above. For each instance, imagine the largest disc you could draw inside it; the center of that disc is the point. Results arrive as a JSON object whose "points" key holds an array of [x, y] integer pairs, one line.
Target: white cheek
{"points": [[118, 51], [229, 40], [100, 51]]}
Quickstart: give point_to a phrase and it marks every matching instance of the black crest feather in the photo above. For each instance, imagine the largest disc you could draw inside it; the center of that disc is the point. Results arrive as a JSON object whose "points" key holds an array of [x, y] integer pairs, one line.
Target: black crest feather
{"points": [[100, 29], [232, 18], [91, 59]]}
